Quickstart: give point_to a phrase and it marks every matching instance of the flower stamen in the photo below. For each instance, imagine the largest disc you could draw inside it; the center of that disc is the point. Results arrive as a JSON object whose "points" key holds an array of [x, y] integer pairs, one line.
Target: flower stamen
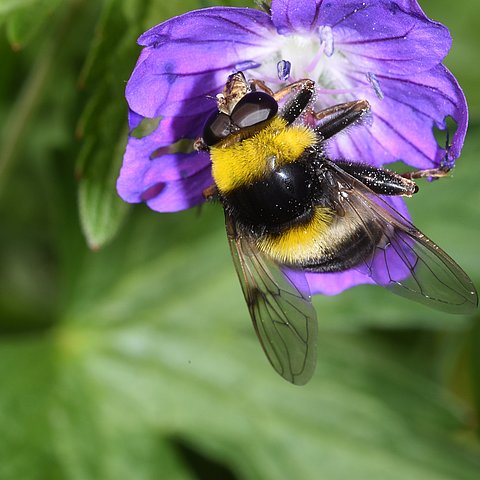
{"points": [[373, 81], [283, 70], [325, 34]]}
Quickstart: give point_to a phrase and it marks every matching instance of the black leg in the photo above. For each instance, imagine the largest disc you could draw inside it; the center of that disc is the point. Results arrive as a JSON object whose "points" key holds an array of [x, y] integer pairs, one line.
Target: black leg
{"points": [[379, 180], [303, 92], [335, 119], [296, 106]]}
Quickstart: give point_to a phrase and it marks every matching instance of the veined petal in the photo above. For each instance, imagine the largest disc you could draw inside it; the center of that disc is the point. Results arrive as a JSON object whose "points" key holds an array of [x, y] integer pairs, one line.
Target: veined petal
{"points": [[381, 33], [171, 181], [162, 85], [410, 6], [401, 127], [189, 58], [396, 35], [168, 131], [214, 24], [292, 16], [179, 194]]}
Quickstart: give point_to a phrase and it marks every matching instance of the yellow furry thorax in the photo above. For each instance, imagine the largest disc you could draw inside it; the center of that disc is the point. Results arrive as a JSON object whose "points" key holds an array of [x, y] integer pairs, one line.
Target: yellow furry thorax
{"points": [[240, 163]]}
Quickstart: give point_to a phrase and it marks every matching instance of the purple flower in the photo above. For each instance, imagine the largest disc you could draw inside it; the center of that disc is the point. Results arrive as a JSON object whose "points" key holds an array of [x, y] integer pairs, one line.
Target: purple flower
{"points": [[387, 52]]}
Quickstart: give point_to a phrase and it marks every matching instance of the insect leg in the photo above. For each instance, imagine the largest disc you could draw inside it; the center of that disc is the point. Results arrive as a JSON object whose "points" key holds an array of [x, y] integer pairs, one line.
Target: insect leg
{"points": [[256, 84], [304, 84], [446, 165], [335, 119], [428, 173], [210, 193], [379, 180], [303, 91]]}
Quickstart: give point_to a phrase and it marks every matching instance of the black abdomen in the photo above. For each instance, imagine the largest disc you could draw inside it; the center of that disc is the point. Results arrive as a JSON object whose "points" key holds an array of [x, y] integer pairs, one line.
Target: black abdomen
{"points": [[284, 197]]}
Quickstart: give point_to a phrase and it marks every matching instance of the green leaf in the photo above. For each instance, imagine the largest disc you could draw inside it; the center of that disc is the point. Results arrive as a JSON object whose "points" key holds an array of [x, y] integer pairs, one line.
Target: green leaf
{"points": [[25, 19], [55, 427], [29, 369], [9, 6], [156, 344], [103, 123], [101, 209]]}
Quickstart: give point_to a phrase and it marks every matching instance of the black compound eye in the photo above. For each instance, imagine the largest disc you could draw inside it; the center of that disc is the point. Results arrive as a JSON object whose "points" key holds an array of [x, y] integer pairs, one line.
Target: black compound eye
{"points": [[217, 127], [253, 108]]}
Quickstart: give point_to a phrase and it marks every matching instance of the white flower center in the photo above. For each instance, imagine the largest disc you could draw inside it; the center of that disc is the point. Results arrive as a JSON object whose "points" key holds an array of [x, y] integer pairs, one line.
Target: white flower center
{"points": [[316, 56]]}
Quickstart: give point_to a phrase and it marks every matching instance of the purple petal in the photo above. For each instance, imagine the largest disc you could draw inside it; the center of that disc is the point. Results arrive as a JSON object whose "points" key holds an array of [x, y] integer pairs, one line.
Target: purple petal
{"points": [[156, 88], [402, 123], [402, 42], [190, 56], [181, 194], [334, 283], [168, 131], [454, 104], [410, 6], [215, 24], [134, 120], [293, 16], [169, 182], [379, 35]]}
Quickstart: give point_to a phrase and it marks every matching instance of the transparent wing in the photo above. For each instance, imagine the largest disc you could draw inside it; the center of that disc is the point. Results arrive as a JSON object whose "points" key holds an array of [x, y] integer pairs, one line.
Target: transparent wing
{"points": [[406, 261], [283, 316]]}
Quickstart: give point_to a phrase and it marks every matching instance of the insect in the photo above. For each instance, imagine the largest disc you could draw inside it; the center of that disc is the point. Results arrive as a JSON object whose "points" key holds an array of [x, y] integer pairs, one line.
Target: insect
{"points": [[290, 209]]}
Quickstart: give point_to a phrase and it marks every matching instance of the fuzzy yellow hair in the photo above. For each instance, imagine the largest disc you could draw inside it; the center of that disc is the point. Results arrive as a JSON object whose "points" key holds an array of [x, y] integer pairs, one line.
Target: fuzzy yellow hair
{"points": [[248, 160]]}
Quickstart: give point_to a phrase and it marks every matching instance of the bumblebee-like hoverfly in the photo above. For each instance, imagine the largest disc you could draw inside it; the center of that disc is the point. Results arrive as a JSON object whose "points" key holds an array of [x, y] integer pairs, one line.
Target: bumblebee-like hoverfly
{"points": [[291, 209]]}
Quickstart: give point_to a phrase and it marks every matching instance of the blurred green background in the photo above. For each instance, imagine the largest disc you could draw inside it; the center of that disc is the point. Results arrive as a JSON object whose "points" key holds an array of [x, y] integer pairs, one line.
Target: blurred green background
{"points": [[126, 350]]}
